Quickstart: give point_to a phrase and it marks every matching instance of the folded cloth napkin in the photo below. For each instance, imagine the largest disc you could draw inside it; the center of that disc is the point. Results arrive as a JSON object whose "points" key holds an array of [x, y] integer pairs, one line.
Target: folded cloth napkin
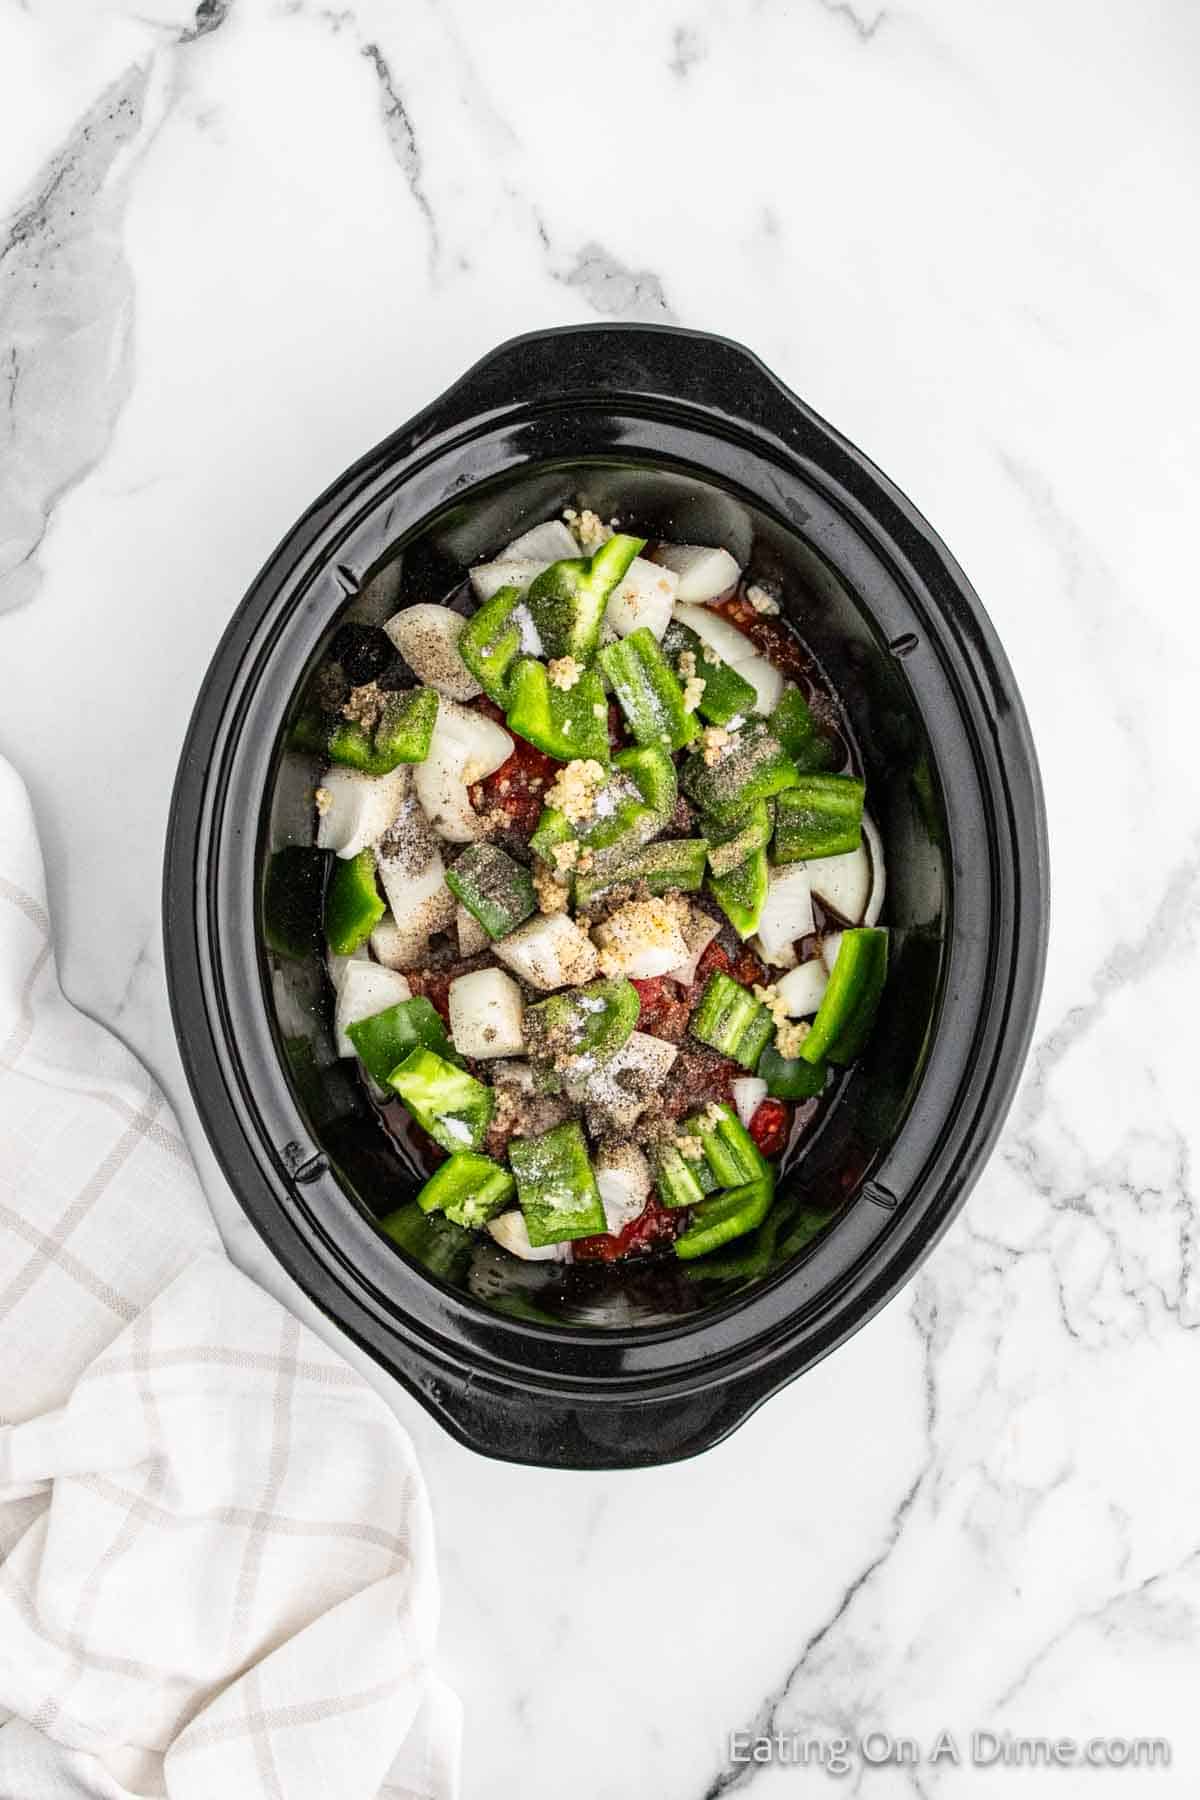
{"points": [[217, 1572]]}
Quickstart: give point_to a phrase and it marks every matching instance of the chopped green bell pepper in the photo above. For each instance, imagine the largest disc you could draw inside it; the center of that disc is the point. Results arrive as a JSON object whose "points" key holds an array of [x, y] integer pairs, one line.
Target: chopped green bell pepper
{"points": [[556, 1187], [742, 1265], [847, 1010], [727, 695], [731, 1020], [401, 735], [729, 1150], [790, 1077], [753, 766], [568, 599], [430, 1239], [732, 842], [491, 643], [385, 1038], [797, 730], [469, 1189], [564, 722], [647, 692], [725, 1216], [680, 1182], [742, 893], [493, 887], [588, 1023], [449, 1104], [353, 903], [820, 816], [667, 863], [652, 772]]}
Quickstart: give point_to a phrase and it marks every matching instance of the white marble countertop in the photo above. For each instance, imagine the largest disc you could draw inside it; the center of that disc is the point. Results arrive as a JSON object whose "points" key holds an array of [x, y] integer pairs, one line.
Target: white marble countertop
{"points": [[241, 245]]}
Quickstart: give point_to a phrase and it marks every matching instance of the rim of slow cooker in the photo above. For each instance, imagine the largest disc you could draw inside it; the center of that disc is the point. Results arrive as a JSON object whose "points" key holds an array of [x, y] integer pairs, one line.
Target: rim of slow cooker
{"points": [[281, 592]]}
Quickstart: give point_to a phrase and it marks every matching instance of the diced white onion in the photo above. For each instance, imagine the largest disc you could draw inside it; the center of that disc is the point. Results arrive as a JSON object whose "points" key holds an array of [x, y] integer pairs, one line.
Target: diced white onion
{"points": [[486, 1014], [698, 933], [749, 1092], [766, 681], [549, 952], [831, 943], [874, 845], [609, 1101], [623, 1178], [730, 644], [419, 905], [704, 574], [337, 965], [465, 746], [486, 744], [510, 1232], [367, 988], [635, 952], [361, 807], [644, 597], [472, 938], [803, 988], [787, 913], [427, 638], [488, 578], [842, 883], [548, 543]]}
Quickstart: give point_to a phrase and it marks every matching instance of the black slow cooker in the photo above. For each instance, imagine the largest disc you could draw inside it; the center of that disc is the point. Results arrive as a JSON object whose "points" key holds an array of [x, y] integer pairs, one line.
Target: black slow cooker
{"points": [[688, 437]]}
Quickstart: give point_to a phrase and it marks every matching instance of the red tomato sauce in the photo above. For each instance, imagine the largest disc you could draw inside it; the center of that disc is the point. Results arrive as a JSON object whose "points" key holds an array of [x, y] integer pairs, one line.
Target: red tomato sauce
{"points": [[656, 1225]]}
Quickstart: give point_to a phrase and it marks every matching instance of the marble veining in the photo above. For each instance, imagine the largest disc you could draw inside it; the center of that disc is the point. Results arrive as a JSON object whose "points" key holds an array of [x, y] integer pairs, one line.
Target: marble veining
{"points": [[241, 241]]}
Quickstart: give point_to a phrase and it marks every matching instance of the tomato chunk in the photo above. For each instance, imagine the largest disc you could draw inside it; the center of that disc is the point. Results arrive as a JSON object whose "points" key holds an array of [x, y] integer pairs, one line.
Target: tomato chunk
{"points": [[769, 1126], [655, 1225]]}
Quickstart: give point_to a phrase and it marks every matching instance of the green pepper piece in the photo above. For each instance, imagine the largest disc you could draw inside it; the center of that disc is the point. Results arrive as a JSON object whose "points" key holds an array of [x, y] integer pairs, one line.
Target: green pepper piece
{"points": [[680, 1182], [647, 692], [742, 893], [294, 899], [725, 1216], [401, 735], [790, 1077], [568, 599], [847, 1010], [491, 642], [729, 1150], [564, 722], [727, 695], [493, 887], [731, 843], [588, 1023], [820, 816], [801, 736], [556, 1187], [385, 1038], [469, 1189], [652, 772], [353, 903], [747, 1264], [665, 864], [430, 1239], [731, 1020], [449, 1104], [753, 766]]}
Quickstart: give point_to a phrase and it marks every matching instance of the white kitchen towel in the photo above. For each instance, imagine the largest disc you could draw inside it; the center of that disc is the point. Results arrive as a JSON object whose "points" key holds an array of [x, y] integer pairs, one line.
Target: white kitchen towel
{"points": [[217, 1572]]}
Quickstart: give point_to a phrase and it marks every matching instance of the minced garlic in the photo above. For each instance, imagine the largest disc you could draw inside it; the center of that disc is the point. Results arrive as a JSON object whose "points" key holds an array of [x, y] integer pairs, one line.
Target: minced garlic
{"points": [[566, 855], [324, 800], [687, 664], [788, 1038], [573, 789], [714, 739], [693, 692], [689, 1147], [762, 600], [552, 895], [588, 527], [563, 672], [710, 656]]}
